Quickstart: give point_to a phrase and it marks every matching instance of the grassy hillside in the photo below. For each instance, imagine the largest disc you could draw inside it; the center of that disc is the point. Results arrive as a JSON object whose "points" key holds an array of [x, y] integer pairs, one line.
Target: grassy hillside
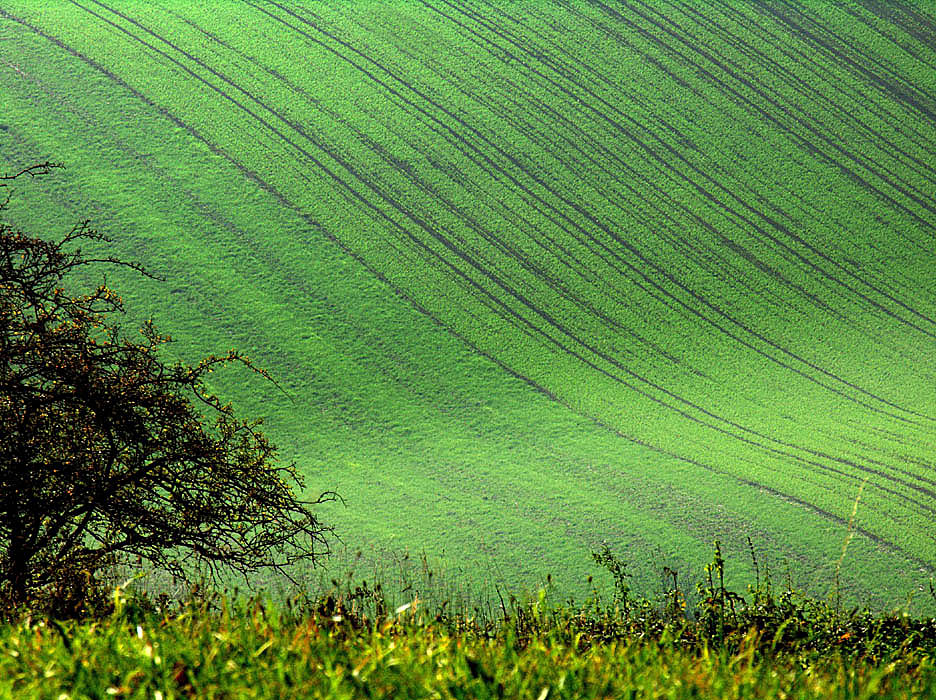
{"points": [[534, 275]]}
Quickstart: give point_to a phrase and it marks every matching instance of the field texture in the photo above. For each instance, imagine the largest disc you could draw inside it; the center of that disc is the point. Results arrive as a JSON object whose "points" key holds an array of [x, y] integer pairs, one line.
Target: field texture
{"points": [[534, 275]]}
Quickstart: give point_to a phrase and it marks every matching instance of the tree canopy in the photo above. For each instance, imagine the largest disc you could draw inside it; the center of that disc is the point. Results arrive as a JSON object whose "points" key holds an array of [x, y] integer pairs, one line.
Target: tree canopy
{"points": [[110, 453]]}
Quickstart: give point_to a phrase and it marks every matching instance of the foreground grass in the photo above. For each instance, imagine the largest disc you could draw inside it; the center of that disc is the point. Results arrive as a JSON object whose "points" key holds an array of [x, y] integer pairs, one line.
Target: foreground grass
{"points": [[254, 650]]}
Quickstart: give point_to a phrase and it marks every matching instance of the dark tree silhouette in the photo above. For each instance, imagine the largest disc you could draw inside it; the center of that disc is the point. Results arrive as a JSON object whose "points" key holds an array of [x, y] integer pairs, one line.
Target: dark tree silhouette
{"points": [[109, 453]]}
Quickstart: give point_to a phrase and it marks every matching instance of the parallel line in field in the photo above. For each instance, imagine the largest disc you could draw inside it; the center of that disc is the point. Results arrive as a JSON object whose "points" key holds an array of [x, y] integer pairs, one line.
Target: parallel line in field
{"points": [[270, 261], [929, 466], [546, 144], [832, 86], [551, 320], [573, 165], [551, 282], [829, 41], [507, 248], [254, 177], [876, 165], [521, 128], [776, 224], [911, 20], [814, 366], [754, 107], [276, 75], [498, 306], [494, 278], [540, 56], [565, 348], [879, 75], [500, 244], [711, 25], [481, 158], [459, 138], [269, 188], [612, 172], [879, 169], [676, 241], [828, 515], [817, 133], [571, 335], [520, 184], [720, 312], [673, 76], [890, 15], [259, 253], [241, 167], [886, 146]]}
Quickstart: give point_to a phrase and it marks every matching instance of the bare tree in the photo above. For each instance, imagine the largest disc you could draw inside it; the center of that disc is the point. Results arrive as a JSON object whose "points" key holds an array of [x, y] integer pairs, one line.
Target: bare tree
{"points": [[107, 450]]}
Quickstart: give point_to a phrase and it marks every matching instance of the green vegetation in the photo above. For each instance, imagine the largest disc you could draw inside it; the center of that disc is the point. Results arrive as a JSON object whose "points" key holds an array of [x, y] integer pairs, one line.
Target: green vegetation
{"points": [[106, 455], [262, 655], [350, 643], [535, 275]]}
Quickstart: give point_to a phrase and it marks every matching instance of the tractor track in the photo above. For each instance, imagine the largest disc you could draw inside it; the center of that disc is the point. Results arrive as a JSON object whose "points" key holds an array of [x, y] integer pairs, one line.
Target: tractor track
{"points": [[496, 271]]}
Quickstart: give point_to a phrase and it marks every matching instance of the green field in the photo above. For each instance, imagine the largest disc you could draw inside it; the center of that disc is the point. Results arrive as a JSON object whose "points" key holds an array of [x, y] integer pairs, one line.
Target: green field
{"points": [[534, 275]]}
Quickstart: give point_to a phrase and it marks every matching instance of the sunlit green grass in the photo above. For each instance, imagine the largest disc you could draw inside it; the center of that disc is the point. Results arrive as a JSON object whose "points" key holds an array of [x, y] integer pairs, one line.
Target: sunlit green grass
{"points": [[259, 651]]}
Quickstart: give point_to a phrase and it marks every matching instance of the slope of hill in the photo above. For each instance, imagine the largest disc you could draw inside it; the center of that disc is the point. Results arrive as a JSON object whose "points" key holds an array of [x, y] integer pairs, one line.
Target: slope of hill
{"points": [[535, 275]]}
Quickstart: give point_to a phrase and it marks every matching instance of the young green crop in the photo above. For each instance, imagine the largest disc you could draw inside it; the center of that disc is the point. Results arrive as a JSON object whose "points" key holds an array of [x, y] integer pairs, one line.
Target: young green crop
{"points": [[536, 276]]}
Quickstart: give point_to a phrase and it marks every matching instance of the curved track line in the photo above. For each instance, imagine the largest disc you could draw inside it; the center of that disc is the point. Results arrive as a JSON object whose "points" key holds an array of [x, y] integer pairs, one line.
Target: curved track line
{"points": [[247, 172]]}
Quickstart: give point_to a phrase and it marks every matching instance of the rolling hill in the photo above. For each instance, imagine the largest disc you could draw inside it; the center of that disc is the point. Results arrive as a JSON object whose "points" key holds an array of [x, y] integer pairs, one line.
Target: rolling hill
{"points": [[533, 275]]}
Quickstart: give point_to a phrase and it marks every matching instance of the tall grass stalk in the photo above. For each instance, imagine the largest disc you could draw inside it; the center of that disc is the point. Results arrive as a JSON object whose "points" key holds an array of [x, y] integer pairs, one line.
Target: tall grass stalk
{"points": [[848, 538]]}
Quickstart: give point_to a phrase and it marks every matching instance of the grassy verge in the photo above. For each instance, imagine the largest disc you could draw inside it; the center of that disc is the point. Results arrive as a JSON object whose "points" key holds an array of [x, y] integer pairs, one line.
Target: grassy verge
{"points": [[349, 643], [255, 651]]}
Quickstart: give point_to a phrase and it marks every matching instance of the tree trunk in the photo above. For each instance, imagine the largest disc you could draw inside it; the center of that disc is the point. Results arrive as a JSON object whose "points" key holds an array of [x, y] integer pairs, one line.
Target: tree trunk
{"points": [[16, 573]]}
